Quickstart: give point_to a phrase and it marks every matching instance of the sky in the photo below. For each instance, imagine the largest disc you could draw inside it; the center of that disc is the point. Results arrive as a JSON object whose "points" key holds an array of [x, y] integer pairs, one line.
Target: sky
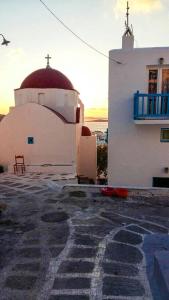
{"points": [[34, 33]]}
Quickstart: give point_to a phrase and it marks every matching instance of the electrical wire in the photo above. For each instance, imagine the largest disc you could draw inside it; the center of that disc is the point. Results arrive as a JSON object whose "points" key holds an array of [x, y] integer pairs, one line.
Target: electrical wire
{"points": [[76, 35]]}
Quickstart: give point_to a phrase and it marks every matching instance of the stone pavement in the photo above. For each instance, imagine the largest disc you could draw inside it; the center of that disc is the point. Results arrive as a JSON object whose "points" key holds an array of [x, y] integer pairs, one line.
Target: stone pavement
{"points": [[73, 243]]}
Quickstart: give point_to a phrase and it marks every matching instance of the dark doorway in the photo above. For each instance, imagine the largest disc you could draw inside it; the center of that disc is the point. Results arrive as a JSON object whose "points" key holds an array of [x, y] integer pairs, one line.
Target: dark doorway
{"points": [[161, 182]]}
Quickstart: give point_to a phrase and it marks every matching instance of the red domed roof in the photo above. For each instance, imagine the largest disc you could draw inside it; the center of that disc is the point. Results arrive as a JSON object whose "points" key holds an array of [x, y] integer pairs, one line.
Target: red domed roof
{"points": [[86, 131], [47, 78]]}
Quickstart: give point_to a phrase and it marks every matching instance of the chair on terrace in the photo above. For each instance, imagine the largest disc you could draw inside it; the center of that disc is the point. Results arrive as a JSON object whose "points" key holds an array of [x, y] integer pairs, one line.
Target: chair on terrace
{"points": [[19, 166]]}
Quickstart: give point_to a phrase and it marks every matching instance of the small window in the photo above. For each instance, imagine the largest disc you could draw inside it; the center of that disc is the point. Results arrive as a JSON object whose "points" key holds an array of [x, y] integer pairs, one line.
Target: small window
{"points": [[152, 82], [164, 135], [162, 182], [30, 140]]}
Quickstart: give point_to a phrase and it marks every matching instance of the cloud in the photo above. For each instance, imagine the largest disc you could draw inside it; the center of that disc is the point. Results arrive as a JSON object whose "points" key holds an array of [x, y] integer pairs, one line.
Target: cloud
{"points": [[138, 6]]}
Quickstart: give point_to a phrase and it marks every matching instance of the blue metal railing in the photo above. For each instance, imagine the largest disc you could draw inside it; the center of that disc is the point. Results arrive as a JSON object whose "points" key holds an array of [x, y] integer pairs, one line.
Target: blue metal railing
{"points": [[151, 106]]}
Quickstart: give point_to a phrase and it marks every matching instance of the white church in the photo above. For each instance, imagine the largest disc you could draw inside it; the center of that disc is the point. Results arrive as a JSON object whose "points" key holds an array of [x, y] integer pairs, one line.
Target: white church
{"points": [[138, 148], [46, 126]]}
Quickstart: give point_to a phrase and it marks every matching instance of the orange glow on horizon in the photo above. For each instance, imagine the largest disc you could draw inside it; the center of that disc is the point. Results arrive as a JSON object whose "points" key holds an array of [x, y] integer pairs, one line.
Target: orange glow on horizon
{"points": [[96, 112]]}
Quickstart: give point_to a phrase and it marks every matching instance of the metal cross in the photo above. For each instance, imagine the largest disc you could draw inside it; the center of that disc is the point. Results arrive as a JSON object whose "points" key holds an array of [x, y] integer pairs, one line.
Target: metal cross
{"points": [[127, 14], [48, 58]]}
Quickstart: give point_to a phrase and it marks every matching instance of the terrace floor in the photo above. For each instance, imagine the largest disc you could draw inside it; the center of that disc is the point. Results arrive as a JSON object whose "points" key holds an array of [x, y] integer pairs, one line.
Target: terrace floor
{"points": [[72, 243]]}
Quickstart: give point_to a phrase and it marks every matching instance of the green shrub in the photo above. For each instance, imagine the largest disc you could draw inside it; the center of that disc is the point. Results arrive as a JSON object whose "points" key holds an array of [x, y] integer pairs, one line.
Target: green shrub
{"points": [[102, 160]]}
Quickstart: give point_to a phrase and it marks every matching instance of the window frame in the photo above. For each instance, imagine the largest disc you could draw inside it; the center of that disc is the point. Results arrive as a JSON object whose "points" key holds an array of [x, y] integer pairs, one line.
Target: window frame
{"points": [[30, 140], [162, 140], [159, 69]]}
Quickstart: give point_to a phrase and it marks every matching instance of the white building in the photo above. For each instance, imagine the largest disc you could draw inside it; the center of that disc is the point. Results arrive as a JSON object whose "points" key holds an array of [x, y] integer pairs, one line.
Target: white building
{"points": [[138, 152], [47, 127]]}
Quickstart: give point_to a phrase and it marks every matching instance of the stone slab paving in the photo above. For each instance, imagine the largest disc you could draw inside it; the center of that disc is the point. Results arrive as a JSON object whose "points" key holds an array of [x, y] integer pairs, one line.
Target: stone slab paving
{"points": [[72, 243]]}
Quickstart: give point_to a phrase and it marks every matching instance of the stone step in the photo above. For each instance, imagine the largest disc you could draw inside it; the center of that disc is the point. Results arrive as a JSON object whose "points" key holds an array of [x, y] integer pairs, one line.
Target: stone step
{"points": [[161, 272]]}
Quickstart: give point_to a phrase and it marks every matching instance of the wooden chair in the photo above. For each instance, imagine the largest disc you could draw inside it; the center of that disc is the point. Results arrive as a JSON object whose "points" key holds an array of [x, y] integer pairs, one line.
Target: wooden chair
{"points": [[19, 166]]}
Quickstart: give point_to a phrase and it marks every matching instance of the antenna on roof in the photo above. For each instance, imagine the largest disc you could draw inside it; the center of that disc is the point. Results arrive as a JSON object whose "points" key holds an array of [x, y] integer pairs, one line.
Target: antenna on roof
{"points": [[128, 37], [127, 16], [129, 28]]}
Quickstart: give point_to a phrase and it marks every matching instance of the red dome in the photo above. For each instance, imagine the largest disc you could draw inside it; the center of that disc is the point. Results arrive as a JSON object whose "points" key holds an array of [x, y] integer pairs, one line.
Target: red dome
{"points": [[47, 78], [86, 131]]}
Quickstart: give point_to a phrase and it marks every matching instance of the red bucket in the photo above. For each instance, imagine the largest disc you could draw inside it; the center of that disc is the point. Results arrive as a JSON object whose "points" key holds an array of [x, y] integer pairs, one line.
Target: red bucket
{"points": [[117, 192], [122, 193], [108, 191]]}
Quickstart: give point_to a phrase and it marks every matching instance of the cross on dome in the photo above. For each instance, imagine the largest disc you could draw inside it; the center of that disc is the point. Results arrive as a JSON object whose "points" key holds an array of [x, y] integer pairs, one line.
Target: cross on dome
{"points": [[48, 58]]}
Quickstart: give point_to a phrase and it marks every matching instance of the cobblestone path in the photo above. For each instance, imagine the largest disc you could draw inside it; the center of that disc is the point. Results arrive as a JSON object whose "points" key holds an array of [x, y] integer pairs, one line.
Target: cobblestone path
{"points": [[75, 244]]}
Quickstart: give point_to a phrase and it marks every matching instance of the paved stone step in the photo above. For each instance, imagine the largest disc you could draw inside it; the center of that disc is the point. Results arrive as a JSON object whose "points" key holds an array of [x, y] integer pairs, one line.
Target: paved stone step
{"points": [[128, 237], [21, 282], [31, 267], [122, 287], [86, 240], [30, 252], [54, 217], [161, 272], [120, 269], [76, 267], [123, 253], [71, 283], [82, 252]]}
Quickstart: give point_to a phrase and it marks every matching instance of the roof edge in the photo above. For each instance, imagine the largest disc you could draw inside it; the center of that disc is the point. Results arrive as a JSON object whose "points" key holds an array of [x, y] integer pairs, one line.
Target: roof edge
{"points": [[74, 90], [60, 116]]}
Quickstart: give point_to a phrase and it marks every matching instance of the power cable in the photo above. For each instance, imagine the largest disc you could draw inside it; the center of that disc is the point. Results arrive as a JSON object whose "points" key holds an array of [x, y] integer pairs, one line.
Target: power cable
{"points": [[76, 35]]}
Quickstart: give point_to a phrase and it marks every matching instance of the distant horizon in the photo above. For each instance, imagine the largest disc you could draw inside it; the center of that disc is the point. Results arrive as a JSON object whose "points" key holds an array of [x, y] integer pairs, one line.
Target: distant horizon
{"points": [[92, 114], [93, 119], [96, 114]]}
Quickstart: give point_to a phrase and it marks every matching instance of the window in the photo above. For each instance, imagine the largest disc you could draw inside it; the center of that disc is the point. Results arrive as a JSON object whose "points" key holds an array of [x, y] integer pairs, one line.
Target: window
{"points": [[158, 83], [164, 135], [165, 81], [152, 82], [30, 140], [152, 89], [162, 182], [158, 80]]}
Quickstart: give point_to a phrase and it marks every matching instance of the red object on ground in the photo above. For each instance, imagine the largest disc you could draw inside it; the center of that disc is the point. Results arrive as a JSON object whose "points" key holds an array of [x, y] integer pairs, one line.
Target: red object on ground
{"points": [[117, 192], [121, 192], [107, 191]]}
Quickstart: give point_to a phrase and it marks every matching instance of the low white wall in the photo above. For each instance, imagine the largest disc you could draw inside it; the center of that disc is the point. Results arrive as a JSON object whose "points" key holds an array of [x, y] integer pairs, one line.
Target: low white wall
{"points": [[88, 157]]}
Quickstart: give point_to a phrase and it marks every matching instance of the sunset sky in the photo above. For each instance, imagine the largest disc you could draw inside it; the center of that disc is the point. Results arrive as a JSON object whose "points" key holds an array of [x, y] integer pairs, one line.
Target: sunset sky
{"points": [[34, 32]]}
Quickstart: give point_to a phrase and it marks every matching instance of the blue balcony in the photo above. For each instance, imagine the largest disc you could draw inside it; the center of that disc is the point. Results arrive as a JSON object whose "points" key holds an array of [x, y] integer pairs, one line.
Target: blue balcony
{"points": [[151, 108]]}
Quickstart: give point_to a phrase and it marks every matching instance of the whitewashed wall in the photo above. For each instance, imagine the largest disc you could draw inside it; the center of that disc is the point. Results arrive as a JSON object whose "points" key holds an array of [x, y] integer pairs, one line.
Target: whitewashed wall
{"points": [[54, 141], [135, 153], [63, 101], [88, 157]]}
